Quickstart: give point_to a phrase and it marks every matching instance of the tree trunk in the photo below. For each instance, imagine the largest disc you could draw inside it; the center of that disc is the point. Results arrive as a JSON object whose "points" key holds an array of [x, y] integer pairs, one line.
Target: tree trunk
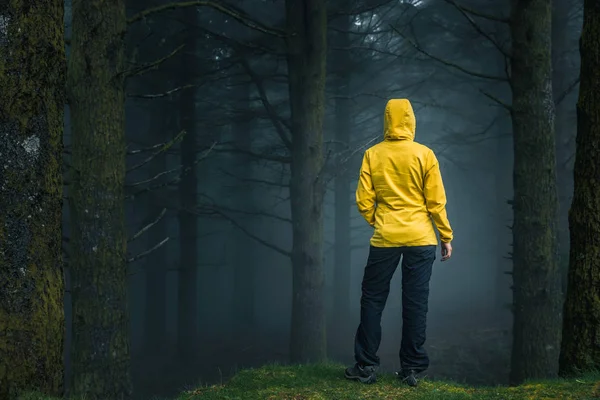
{"points": [[343, 128], [306, 42], [564, 132], [187, 296], [98, 243], [155, 319], [32, 63], [244, 258], [536, 291], [581, 330]]}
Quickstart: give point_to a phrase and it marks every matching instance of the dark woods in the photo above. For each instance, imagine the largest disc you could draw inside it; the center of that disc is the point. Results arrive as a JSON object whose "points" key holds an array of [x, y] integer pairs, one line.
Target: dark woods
{"points": [[177, 186]]}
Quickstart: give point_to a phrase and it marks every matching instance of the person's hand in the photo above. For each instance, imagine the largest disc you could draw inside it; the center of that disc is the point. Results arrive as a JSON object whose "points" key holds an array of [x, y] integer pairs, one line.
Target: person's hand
{"points": [[446, 251]]}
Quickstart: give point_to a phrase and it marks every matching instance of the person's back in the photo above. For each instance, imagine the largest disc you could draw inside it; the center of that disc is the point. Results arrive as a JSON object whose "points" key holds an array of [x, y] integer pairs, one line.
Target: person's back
{"points": [[400, 193], [402, 178]]}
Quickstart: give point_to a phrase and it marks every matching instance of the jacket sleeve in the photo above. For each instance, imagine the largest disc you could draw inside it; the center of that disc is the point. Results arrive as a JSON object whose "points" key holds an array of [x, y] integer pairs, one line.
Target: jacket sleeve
{"points": [[435, 198], [365, 192]]}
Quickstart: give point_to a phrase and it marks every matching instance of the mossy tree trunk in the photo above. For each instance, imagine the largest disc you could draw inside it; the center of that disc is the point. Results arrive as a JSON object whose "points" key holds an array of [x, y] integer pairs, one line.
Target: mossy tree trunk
{"points": [[306, 54], [32, 66], [581, 328], [98, 266], [536, 291], [187, 300]]}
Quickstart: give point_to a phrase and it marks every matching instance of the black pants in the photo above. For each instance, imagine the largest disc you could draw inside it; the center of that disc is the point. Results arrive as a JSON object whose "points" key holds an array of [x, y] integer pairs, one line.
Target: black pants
{"points": [[416, 273]]}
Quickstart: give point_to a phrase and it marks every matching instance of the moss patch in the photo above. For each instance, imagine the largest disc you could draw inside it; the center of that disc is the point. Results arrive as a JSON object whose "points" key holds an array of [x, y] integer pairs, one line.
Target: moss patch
{"points": [[326, 382]]}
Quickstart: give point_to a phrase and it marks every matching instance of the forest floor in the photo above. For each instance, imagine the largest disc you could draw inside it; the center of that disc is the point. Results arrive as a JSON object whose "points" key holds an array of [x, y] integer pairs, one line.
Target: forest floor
{"points": [[326, 382]]}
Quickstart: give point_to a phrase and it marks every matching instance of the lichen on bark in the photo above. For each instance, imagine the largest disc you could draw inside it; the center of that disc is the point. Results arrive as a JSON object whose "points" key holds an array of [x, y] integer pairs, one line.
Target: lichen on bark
{"points": [[100, 346], [32, 66]]}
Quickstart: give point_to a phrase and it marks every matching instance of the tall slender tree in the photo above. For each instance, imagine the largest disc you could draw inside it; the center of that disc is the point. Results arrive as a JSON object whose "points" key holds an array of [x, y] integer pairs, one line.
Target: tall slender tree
{"points": [[536, 278], [306, 54], [187, 300], [343, 191], [581, 328], [32, 70], [100, 348], [244, 256]]}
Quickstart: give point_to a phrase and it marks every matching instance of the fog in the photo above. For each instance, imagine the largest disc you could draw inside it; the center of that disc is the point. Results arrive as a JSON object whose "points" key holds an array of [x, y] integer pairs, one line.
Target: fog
{"points": [[230, 81]]}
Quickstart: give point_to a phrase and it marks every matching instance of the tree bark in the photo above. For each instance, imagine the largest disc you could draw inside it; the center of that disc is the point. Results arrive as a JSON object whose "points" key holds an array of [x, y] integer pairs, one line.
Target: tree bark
{"points": [[536, 278], [343, 128], [306, 54], [32, 69], [187, 296], [100, 347], [564, 130], [581, 329]]}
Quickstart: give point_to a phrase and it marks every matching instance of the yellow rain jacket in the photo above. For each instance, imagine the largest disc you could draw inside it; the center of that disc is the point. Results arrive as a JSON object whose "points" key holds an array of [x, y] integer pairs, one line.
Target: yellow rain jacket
{"points": [[400, 189]]}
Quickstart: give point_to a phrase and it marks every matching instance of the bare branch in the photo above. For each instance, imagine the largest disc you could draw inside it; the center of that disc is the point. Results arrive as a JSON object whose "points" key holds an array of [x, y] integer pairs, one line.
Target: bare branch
{"points": [[476, 26], [480, 14], [142, 69], [568, 90], [268, 157], [145, 149], [159, 95], [233, 12], [147, 252], [265, 243], [166, 146], [254, 180], [155, 177], [276, 119], [253, 213], [448, 63], [496, 100], [360, 10], [175, 180], [150, 225]]}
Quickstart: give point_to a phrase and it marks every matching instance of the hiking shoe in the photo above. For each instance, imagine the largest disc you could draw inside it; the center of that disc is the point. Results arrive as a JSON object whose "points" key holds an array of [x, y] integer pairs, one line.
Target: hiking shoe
{"points": [[408, 376], [362, 374]]}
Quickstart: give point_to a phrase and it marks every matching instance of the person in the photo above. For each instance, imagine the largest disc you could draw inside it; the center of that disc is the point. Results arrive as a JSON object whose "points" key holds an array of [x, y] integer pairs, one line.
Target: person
{"points": [[400, 192]]}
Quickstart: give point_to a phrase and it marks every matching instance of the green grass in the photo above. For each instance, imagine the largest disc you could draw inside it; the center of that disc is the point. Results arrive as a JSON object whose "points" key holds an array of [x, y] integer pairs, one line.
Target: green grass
{"points": [[326, 382]]}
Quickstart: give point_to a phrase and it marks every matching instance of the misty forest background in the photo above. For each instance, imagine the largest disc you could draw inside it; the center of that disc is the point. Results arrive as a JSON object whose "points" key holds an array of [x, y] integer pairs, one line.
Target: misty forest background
{"points": [[192, 133]]}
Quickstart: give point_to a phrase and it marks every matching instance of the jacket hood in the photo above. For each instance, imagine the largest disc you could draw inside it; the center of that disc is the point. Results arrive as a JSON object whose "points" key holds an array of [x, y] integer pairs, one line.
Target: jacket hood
{"points": [[399, 122]]}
